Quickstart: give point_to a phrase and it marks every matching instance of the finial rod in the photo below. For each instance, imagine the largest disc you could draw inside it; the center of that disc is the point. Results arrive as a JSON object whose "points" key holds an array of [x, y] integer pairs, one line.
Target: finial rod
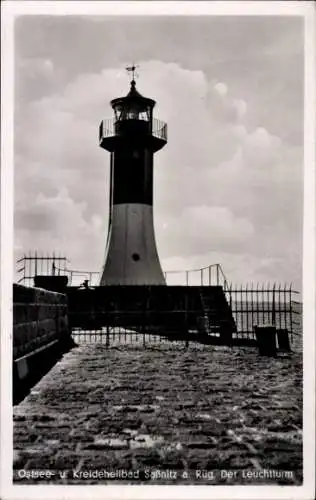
{"points": [[132, 69]]}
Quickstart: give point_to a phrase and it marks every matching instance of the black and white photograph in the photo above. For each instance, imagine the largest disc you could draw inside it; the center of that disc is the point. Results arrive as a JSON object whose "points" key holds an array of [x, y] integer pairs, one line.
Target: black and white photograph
{"points": [[160, 262]]}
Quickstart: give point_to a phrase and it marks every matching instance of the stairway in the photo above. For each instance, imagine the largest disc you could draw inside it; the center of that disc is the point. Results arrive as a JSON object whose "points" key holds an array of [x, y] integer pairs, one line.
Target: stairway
{"points": [[216, 321]]}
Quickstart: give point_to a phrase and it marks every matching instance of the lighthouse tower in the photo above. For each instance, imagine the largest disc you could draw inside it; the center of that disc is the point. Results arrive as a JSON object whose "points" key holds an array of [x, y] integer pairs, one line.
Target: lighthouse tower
{"points": [[132, 138]]}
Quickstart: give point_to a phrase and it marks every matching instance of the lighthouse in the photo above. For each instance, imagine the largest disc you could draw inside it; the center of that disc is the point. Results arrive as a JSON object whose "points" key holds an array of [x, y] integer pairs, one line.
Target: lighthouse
{"points": [[132, 137]]}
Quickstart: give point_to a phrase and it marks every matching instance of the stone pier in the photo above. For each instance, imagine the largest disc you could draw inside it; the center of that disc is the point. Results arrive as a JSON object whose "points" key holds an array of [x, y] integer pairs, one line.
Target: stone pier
{"points": [[163, 410]]}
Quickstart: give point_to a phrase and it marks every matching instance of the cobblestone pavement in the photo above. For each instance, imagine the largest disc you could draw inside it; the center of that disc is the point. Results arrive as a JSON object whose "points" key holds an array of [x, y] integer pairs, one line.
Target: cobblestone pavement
{"points": [[164, 414]]}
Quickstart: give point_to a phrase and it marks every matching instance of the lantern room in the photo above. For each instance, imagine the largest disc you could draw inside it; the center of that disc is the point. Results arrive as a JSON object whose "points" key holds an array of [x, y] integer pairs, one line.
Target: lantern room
{"points": [[133, 106], [133, 122]]}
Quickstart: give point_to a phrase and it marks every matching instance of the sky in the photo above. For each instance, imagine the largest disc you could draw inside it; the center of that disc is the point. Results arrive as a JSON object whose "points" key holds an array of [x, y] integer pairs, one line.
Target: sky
{"points": [[228, 187]]}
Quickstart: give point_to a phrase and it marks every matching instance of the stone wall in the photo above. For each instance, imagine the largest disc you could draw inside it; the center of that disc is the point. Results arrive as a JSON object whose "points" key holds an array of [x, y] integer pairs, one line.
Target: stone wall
{"points": [[40, 331]]}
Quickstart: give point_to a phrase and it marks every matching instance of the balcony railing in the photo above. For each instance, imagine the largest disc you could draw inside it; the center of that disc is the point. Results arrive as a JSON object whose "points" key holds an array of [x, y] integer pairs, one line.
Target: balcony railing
{"points": [[108, 128], [159, 129]]}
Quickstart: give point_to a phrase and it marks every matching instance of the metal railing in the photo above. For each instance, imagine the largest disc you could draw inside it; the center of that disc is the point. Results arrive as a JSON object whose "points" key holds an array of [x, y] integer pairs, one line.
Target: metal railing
{"points": [[287, 316], [212, 275], [36, 264], [159, 129], [259, 304], [33, 264], [108, 128], [251, 304]]}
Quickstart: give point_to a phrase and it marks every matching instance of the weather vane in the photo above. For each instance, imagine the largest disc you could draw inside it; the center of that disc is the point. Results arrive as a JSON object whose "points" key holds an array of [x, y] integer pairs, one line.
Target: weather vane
{"points": [[132, 69]]}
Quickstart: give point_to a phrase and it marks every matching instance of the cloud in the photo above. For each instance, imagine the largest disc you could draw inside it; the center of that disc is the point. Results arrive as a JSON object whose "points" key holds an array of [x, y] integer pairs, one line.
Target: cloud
{"points": [[202, 228], [220, 185], [35, 66], [36, 76], [59, 224]]}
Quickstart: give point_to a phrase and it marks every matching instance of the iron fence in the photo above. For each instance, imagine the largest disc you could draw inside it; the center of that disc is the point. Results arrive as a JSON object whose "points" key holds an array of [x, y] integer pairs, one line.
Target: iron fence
{"points": [[265, 304], [193, 314], [32, 265], [250, 304]]}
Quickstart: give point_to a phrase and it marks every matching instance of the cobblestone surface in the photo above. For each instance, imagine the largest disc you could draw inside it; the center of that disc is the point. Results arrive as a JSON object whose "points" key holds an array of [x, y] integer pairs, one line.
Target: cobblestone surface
{"points": [[164, 411]]}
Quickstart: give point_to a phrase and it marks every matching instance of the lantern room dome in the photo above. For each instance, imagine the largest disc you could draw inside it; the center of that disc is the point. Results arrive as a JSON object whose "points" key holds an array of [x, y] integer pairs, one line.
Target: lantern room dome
{"points": [[133, 101]]}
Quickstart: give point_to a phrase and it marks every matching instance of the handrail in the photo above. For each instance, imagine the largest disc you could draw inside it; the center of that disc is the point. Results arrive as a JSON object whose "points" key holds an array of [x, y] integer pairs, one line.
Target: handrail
{"points": [[221, 278], [220, 275], [108, 128]]}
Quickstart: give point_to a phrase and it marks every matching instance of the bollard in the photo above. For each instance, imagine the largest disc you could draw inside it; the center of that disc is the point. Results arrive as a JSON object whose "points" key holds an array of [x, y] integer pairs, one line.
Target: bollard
{"points": [[283, 340], [266, 339], [226, 333]]}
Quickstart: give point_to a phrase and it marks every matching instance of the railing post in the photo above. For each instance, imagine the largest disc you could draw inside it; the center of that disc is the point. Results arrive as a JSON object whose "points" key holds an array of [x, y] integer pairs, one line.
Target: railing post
{"points": [[252, 307], [234, 313], [262, 303], [291, 314], [186, 320], [35, 267], [273, 305], [285, 306], [242, 309], [247, 312], [217, 274], [187, 278], [258, 304], [280, 310], [53, 264]]}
